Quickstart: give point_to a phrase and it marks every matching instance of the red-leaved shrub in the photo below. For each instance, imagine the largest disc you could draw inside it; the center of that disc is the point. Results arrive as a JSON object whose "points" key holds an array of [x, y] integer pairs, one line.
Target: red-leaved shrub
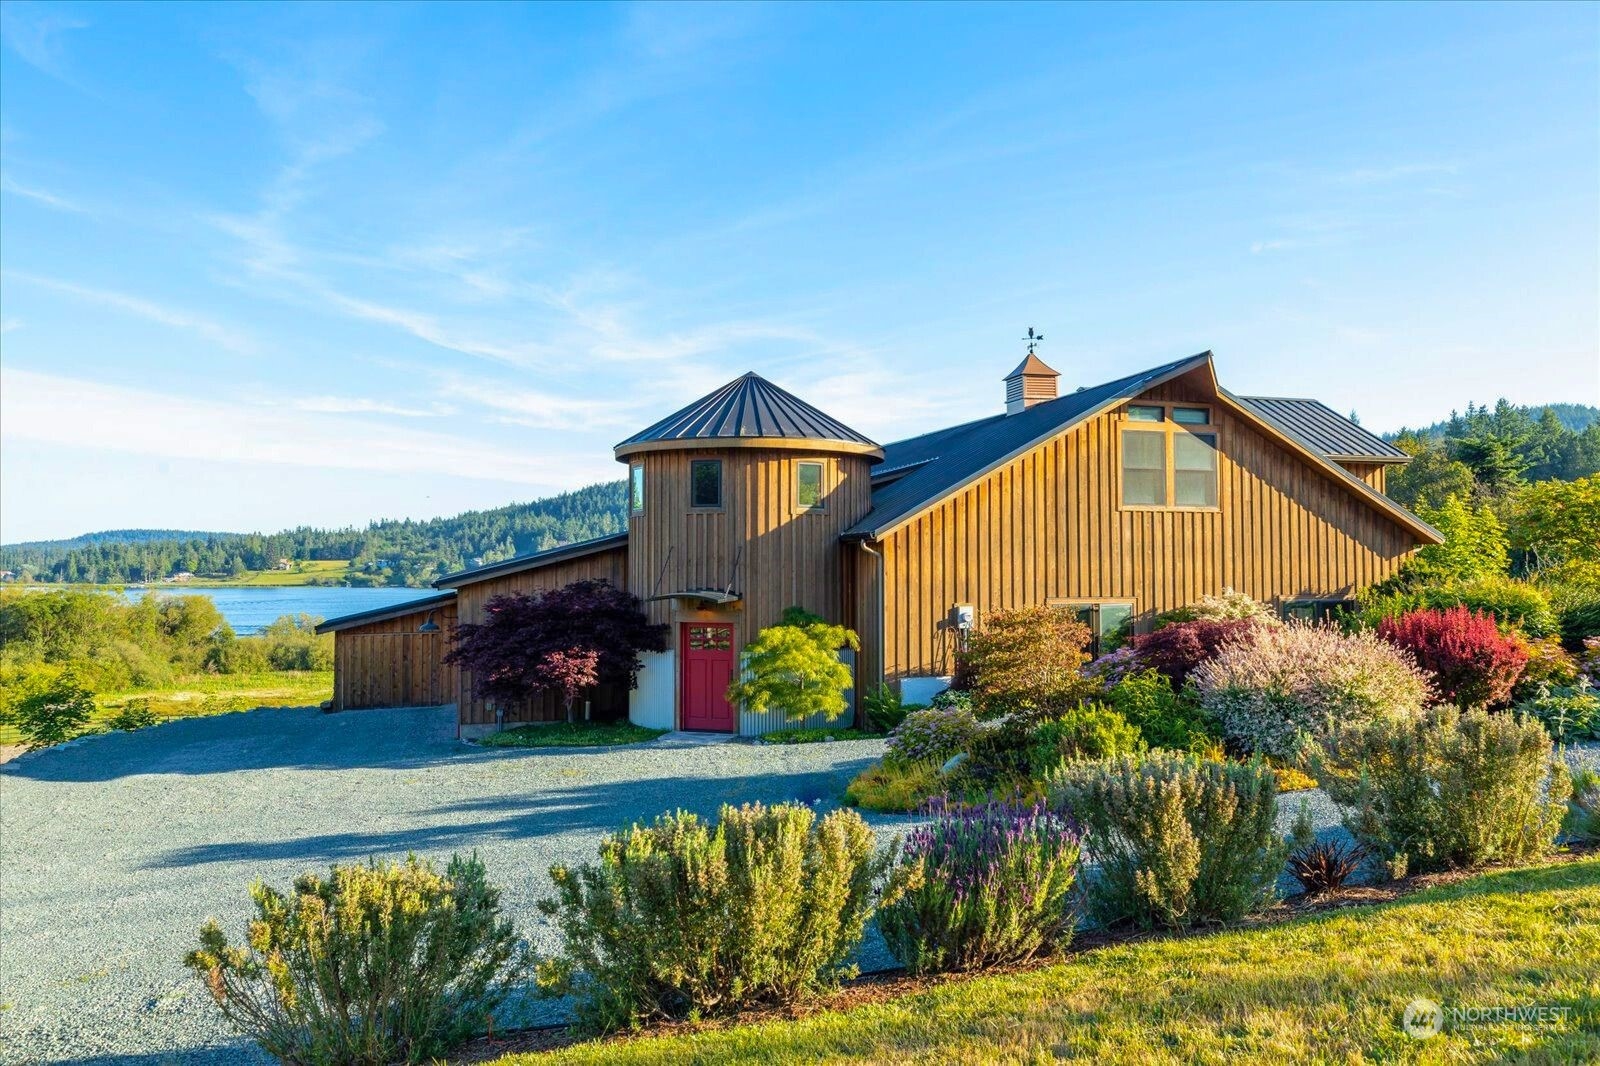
{"points": [[1177, 649], [1473, 664]]}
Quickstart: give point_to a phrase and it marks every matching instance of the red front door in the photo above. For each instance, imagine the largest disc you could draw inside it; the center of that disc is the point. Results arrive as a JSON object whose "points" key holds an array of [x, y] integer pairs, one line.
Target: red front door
{"points": [[707, 650]]}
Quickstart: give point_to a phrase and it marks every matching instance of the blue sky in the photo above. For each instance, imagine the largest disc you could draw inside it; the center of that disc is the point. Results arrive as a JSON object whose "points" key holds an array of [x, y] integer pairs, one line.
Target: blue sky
{"points": [[263, 266]]}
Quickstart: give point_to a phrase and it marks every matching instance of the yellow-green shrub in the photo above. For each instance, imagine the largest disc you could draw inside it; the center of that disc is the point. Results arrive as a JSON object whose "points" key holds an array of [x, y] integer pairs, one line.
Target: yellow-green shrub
{"points": [[895, 787]]}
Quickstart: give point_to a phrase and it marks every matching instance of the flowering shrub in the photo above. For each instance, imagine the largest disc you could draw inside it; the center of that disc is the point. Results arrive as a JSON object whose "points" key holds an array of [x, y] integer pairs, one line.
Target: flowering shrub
{"points": [[982, 886], [1025, 658], [1589, 662], [684, 917], [1473, 664], [1180, 841], [1446, 789], [1165, 718], [1281, 687], [932, 735], [1181, 647], [1231, 606], [1515, 605], [1106, 671]]}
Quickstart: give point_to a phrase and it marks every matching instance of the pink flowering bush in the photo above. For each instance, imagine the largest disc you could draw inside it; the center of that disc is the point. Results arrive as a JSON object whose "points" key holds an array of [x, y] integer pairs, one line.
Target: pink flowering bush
{"points": [[932, 735], [982, 886], [1274, 690]]}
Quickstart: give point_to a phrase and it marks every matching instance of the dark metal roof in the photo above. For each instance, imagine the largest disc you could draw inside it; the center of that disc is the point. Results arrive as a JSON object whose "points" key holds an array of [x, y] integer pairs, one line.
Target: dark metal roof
{"points": [[534, 560], [749, 406], [953, 457], [1326, 430], [384, 614]]}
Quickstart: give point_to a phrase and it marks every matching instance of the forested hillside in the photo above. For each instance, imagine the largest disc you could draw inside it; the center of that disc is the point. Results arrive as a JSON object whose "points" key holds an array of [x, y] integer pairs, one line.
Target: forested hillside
{"points": [[386, 552], [1489, 452]]}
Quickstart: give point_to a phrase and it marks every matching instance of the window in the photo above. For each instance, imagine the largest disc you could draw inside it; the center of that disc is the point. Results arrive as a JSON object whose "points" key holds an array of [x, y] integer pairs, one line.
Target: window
{"points": [[636, 488], [1144, 468], [1172, 463], [808, 487], [1314, 611], [705, 483], [1109, 624], [1194, 469]]}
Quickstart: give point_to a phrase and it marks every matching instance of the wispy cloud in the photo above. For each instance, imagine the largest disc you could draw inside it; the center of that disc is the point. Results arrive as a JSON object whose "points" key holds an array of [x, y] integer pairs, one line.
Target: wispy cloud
{"points": [[35, 34], [49, 199], [75, 412], [349, 405], [540, 410], [210, 329], [1395, 172]]}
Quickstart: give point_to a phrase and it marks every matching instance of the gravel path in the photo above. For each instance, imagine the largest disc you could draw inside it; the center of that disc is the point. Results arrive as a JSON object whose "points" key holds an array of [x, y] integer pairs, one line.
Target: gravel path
{"points": [[114, 849]]}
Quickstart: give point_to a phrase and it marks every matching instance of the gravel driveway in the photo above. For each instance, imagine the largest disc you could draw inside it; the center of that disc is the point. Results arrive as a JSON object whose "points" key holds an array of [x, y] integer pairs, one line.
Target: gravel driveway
{"points": [[114, 849]]}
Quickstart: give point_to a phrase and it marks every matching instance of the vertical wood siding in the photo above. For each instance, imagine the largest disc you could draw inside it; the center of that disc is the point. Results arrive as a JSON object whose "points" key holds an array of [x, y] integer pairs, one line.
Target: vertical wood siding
{"points": [[608, 702], [1050, 525], [390, 664], [773, 555]]}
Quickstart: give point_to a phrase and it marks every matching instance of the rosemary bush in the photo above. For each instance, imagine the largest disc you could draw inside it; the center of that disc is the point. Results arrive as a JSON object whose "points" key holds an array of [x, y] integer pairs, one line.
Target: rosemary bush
{"points": [[374, 964], [684, 918], [1180, 840], [982, 886], [1447, 789]]}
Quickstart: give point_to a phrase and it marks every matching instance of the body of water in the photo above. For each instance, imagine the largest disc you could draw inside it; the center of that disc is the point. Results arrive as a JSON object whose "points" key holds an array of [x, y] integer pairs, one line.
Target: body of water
{"points": [[250, 609]]}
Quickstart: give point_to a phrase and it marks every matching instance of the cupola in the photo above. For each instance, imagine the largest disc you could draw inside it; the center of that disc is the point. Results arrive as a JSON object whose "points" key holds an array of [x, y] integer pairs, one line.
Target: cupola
{"points": [[1030, 383]]}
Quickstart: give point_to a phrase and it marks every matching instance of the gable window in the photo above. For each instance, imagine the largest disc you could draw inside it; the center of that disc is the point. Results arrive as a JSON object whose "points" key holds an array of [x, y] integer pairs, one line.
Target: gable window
{"points": [[1110, 624], [1144, 468], [1194, 469], [705, 483], [636, 488], [1172, 463], [808, 486]]}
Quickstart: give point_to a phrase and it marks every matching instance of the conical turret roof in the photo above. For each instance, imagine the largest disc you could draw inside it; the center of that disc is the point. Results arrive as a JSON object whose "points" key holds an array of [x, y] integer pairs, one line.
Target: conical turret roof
{"points": [[753, 411]]}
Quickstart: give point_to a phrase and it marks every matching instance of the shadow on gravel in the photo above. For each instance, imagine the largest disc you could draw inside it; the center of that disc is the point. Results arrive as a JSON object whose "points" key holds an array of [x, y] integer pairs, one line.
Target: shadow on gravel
{"points": [[535, 814], [270, 738]]}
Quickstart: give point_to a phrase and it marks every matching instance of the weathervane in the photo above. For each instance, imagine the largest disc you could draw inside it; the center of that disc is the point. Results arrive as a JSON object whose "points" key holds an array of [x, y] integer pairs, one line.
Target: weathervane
{"points": [[1033, 339]]}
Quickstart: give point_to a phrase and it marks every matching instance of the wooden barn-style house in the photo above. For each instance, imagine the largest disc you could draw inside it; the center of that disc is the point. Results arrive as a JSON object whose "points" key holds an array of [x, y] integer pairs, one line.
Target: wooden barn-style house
{"points": [[1117, 501]]}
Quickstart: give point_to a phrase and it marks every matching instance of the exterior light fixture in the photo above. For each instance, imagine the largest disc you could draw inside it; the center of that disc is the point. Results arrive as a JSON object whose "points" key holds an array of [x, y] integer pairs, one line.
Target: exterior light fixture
{"points": [[429, 625]]}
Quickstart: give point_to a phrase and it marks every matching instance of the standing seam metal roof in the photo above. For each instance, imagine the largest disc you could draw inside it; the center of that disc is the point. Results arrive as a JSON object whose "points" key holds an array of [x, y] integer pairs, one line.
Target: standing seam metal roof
{"points": [[952, 457], [1326, 430], [749, 406]]}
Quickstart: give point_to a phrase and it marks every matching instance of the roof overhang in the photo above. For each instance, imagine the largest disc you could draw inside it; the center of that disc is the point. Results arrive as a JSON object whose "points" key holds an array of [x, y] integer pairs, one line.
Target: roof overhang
{"points": [[799, 444], [565, 552], [717, 597], [386, 614]]}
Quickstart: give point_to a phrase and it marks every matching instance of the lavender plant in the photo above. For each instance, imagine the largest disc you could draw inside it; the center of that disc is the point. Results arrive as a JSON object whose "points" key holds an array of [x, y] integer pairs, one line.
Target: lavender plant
{"points": [[982, 886]]}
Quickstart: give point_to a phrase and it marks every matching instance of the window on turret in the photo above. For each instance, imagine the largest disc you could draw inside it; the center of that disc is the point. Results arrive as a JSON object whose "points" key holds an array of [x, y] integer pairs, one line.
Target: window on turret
{"points": [[636, 488], [705, 483], [808, 487]]}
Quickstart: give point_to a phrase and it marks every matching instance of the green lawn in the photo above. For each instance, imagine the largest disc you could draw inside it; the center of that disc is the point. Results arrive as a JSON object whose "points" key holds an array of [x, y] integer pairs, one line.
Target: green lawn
{"points": [[574, 735], [320, 570], [815, 735], [1325, 988], [196, 695]]}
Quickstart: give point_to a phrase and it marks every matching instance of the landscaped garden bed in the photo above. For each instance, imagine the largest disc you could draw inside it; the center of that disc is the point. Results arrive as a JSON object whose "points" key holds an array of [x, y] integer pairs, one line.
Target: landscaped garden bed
{"points": [[1313, 978]]}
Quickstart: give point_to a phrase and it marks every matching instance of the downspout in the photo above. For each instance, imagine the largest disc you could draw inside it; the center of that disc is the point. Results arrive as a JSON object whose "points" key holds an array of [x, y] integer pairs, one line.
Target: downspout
{"points": [[882, 650]]}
